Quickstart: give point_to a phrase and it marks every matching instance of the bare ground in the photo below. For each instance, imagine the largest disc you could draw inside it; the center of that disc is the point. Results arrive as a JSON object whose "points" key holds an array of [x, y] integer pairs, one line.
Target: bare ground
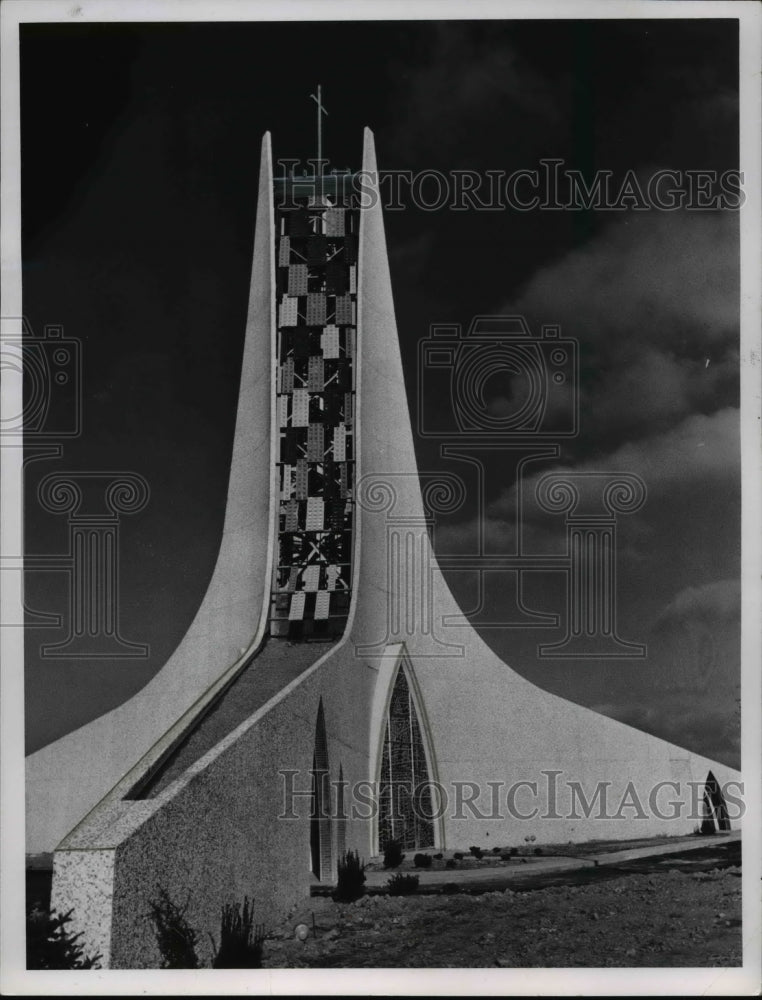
{"points": [[666, 918]]}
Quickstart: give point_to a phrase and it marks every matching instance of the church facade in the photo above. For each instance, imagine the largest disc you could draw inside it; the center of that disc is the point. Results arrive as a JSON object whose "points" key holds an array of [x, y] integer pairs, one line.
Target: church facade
{"points": [[318, 703]]}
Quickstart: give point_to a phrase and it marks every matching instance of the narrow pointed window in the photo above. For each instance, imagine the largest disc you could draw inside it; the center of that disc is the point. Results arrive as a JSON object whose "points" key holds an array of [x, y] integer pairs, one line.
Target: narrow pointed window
{"points": [[320, 820], [405, 801], [341, 817]]}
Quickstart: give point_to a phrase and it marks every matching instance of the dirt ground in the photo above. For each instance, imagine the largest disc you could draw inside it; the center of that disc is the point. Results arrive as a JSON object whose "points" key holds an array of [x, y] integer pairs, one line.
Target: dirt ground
{"points": [[667, 918]]}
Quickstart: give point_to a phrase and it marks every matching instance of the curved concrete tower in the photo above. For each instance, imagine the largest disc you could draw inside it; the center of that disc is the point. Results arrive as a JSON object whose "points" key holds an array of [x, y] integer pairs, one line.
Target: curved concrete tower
{"points": [[358, 712], [65, 779]]}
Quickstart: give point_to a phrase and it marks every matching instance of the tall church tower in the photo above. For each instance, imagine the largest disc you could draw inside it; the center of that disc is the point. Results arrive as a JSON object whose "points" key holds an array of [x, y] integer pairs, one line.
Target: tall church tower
{"points": [[329, 694], [316, 242]]}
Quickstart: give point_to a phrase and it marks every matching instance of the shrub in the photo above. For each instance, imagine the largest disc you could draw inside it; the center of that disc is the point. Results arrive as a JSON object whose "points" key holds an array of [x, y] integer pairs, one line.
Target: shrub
{"points": [[497, 850], [422, 861], [538, 850], [351, 881], [51, 945], [513, 852], [176, 938], [241, 940], [393, 856], [438, 857], [402, 885], [451, 863], [450, 889], [458, 855], [477, 852]]}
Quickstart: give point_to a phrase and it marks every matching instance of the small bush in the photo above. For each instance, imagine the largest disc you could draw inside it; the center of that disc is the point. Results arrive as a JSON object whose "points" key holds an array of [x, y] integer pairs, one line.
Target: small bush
{"points": [[438, 857], [450, 889], [477, 852], [402, 885], [513, 852], [497, 850], [176, 938], [393, 856], [422, 861], [350, 884], [538, 850], [451, 863], [241, 940], [458, 855], [51, 945]]}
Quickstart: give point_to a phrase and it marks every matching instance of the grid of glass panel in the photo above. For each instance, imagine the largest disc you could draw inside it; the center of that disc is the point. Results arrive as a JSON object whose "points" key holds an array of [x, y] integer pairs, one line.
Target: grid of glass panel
{"points": [[316, 279], [405, 801]]}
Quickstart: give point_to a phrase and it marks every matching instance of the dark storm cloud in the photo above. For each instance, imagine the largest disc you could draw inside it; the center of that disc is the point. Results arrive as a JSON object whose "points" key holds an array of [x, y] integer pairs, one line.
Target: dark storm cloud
{"points": [[655, 277], [462, 81], [691, 685], [701, 454], [654, 302], [720, 601]]}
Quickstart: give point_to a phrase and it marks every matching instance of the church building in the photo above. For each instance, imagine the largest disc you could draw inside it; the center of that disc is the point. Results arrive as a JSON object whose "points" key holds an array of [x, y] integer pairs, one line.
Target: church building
{"points": [[329, 695]]}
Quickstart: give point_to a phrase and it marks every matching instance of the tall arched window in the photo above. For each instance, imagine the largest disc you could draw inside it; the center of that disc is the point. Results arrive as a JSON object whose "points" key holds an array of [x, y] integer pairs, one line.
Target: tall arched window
{"points": [[405, 800], [320, 818], [715, 811], [341, 818]]}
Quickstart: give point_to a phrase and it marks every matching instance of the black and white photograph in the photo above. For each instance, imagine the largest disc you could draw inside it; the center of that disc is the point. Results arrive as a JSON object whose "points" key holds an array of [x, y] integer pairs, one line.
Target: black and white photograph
{"points": [[381, 493]]}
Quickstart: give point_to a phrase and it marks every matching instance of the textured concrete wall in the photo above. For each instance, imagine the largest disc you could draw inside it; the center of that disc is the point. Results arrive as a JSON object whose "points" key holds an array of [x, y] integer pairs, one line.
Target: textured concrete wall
{"points": [[214, 835], [65, 779], [83, 882]]}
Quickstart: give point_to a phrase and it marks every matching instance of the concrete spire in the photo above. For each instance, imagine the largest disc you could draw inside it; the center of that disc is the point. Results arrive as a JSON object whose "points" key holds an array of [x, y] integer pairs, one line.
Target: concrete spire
{"points": [[65, 779]]}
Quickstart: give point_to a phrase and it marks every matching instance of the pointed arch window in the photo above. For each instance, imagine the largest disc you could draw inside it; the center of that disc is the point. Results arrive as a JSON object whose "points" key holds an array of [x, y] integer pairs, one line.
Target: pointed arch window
{"points": [[405, 800], [320, 819], [715, 810], [341, 817]]}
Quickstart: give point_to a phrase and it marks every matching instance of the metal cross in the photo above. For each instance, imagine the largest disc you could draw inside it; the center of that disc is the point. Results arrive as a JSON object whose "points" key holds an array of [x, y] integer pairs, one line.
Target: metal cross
{"points": [[320, 112]]}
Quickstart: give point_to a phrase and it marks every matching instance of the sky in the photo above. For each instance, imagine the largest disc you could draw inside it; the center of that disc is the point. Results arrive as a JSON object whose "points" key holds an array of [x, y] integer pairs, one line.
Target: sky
{"points": [[140, 156]]}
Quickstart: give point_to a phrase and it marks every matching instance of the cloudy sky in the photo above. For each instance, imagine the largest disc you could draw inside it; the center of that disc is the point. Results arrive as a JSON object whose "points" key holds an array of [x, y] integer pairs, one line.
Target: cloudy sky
{"points": [[140, 152]]}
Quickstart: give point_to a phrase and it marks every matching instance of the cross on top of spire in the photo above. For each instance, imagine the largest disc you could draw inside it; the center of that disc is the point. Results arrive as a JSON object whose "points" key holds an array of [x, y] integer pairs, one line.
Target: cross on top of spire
{"points": [[320, 112]]}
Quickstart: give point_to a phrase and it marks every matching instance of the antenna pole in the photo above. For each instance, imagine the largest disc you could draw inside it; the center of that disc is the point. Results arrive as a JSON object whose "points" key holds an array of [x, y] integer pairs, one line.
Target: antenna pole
{"points": [[320, 112]]}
